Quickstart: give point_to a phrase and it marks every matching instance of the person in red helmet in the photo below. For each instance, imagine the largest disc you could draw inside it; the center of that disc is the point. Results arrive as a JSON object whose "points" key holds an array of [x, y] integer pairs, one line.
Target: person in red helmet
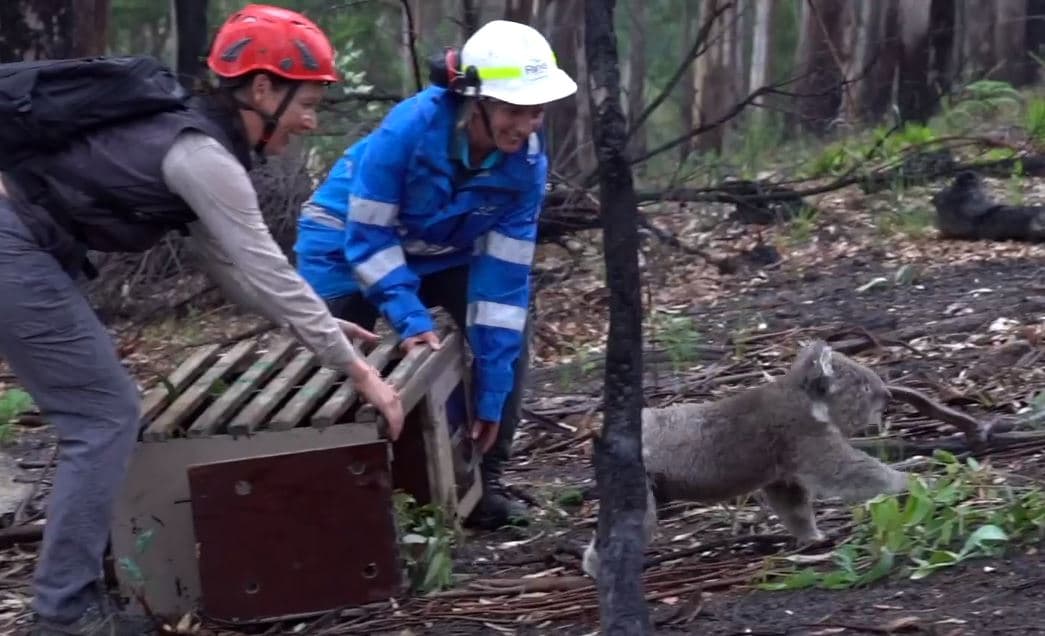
{"points": [[120, 187]]}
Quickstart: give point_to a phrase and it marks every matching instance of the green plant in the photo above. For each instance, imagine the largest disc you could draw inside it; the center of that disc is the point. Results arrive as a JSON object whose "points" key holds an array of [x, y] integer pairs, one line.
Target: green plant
{"points": [[979, 101], [1034, 120], [800, 227], [569, 498], [679, 336], [129, 564], [970, 511], [13, 402], [879, 145], [426, 543]]}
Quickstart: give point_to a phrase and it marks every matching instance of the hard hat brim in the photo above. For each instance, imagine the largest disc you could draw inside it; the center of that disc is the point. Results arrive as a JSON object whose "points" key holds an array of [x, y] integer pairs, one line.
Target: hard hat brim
{"points": [[556, 86]]}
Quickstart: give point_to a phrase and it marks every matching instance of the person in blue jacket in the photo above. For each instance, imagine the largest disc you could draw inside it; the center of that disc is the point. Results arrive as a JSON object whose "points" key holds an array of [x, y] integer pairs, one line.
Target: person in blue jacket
{"points": [[438, 207]]}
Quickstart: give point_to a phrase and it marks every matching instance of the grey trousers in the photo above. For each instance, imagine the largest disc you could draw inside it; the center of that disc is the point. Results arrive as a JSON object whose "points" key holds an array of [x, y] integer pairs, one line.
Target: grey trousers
{"points": [[64, 357]]}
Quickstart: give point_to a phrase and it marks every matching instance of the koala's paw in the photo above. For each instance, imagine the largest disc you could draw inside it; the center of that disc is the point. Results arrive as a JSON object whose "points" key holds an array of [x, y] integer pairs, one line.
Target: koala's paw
{"points": [[898, 483], [590, 561], [810, 538]]}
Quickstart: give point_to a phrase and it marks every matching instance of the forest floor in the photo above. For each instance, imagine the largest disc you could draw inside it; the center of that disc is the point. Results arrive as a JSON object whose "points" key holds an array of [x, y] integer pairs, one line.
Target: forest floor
{"points": [[963, 321]]}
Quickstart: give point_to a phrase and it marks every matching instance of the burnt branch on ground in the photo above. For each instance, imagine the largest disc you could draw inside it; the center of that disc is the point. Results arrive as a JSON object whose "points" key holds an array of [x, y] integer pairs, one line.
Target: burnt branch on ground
{"points": [[964, 211]]}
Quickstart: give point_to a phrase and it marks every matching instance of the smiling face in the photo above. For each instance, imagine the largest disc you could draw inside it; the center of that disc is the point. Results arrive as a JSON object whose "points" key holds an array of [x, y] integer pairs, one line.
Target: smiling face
{"points": [[510, 124], [265, 96]]}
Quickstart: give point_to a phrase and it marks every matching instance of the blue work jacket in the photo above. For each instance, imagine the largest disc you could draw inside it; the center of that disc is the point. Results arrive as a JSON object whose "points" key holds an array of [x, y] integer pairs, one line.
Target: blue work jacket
{"points": [[398, 206]]}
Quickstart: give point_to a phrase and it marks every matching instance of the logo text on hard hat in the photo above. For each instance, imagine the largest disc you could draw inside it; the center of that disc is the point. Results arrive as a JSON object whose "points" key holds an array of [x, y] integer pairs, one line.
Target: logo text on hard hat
{"points": [[536, 69]]}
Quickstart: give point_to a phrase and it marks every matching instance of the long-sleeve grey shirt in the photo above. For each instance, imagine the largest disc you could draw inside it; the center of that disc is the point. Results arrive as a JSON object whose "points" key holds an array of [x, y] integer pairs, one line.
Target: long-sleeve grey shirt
{"points": [[238, 251]]}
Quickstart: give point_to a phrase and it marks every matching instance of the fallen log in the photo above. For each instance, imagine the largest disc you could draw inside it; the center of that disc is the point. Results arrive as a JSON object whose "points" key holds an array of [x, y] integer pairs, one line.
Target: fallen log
{"points": [[20, 534]]}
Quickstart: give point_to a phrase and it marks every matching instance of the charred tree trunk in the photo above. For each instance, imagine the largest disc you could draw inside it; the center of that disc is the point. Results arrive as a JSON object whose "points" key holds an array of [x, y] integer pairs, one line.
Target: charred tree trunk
{"points": [[819, 64], [618, 457], [52, 29], [191, 19], [913, 93], [880, 58], [35, 29], [90, 27], [470, 18], [1035, 37], [519, 11]]}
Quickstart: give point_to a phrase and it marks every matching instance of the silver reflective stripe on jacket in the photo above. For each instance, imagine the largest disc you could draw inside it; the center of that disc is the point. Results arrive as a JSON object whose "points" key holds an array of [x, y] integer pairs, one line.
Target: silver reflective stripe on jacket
{"points": [[321, 215]]}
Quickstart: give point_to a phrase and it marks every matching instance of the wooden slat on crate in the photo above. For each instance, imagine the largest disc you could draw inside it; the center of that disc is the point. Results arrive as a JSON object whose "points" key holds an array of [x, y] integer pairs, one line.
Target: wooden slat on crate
{"points": [[265, 401], [169, 421], [306, 397], [160, 396], [413, 383], [211, 420], [412, 374], [440, 453], [345, 395]]}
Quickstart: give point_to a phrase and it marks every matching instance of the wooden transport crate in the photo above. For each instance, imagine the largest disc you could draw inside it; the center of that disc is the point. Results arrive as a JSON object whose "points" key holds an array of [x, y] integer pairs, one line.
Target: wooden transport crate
{"points": [[262, 485]]}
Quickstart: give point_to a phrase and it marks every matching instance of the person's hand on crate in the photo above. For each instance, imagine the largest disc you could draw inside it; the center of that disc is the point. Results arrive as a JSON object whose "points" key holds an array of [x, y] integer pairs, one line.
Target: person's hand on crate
{"points": [[380, 393]]}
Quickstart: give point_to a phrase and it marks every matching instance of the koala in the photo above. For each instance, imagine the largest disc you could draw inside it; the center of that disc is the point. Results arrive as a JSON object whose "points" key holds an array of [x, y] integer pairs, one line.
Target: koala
{"points": [[787, 440]]}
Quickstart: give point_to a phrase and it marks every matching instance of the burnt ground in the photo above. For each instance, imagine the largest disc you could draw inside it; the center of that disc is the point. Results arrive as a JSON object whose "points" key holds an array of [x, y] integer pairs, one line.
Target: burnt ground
{"points": [[962, 321]]}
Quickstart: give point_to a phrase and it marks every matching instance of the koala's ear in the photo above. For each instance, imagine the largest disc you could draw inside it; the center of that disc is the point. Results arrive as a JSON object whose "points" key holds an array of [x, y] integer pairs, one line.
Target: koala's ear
{"points": [[818, 374]]}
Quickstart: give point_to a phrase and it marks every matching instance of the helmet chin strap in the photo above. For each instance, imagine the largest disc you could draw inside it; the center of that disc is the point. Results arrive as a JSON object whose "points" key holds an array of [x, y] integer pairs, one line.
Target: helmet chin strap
{"points": [[271, 119]]}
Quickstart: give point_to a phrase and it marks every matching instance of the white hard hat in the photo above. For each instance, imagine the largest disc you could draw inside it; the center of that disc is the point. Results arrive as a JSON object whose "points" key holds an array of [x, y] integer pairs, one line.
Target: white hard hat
{"points": [[515, 65]]}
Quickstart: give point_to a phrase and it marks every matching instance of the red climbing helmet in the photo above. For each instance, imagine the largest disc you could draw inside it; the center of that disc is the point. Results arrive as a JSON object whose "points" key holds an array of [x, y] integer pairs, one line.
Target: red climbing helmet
{"points": [[261, 37]]}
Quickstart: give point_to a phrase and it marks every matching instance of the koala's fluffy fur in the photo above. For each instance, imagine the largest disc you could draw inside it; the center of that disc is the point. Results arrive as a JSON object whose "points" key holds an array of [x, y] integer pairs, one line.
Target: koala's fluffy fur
{"points": [[787, 439]]}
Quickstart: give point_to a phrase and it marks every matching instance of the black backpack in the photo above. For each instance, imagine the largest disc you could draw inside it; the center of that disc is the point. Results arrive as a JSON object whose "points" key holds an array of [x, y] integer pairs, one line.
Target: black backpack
{"points": [[46, 103]]}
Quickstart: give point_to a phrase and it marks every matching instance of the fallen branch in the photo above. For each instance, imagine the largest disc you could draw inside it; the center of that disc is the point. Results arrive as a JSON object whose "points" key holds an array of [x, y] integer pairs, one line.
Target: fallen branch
{"points": [[977, 433], [21, 534], [906, 449]]}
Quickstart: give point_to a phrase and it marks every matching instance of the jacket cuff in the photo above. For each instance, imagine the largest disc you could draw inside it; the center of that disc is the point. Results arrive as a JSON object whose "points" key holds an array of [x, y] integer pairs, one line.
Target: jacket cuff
{"points": [[489, 405]]}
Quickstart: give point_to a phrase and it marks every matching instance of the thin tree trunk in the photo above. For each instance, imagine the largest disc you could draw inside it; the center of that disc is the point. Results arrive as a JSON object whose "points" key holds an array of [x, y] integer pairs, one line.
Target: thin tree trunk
{"points": [[942, 25], [190, 17], [741, 37], [90, 27], [637, 73], [688, 89], [913, 95], [1010, 31], [566, 120], [1035, 37], [820, 64], [35, 30], [712, 78], [519, 11], [469, 18], [980, 54], [618, 457], [761, 46]]}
